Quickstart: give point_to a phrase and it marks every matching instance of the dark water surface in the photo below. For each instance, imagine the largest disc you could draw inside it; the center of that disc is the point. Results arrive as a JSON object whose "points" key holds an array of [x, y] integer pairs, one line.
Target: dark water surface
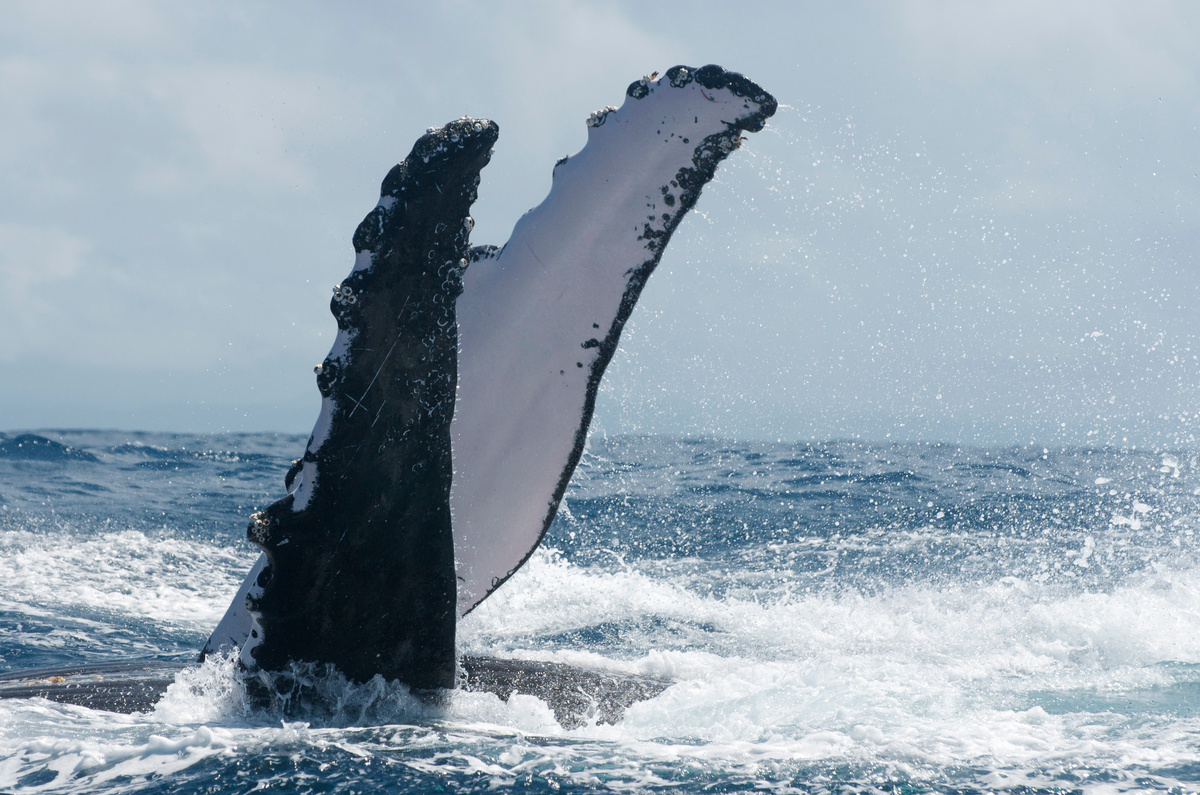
{"points": [[839, 617]]}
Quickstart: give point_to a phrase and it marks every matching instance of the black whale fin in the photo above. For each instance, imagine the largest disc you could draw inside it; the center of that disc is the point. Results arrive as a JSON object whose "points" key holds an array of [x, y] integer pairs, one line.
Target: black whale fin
{"points": [[360, 556]]}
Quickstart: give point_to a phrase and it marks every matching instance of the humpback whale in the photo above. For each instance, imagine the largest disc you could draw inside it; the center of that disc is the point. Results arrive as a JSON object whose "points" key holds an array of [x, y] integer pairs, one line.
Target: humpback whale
{"points": [[458, 392]]}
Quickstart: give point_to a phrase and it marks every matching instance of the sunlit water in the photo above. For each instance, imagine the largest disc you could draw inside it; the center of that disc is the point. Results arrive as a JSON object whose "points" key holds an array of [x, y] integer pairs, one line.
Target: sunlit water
{"points": [[837, 616]]}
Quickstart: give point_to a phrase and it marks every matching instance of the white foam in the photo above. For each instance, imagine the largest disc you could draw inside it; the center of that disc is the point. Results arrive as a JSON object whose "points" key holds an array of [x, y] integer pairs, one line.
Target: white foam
{"points": [[126, 573], [204, 693], [87, 751], [1004, 676], [1019, 678]]}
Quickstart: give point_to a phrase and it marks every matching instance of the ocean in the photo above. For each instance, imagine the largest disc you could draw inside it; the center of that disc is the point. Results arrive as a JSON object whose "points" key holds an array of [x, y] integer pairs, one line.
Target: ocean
{"points": [[837, 616]]}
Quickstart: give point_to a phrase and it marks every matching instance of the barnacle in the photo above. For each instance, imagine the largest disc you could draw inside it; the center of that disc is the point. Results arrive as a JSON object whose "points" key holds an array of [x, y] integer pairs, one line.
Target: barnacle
{"points": [[597, 118]]}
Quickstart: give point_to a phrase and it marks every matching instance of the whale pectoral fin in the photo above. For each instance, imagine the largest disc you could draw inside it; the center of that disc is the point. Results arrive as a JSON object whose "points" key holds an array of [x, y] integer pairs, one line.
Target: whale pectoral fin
{"points": [[540, 320], [359, 558], [451, 423]]}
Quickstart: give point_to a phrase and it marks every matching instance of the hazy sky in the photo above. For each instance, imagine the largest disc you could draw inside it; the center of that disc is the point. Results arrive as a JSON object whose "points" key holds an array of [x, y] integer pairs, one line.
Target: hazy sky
{"points": [[971, 222]]}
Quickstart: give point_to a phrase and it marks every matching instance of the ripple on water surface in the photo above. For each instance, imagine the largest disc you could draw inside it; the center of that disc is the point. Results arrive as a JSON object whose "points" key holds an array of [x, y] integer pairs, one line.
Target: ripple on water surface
{"points": [[837, 616]]}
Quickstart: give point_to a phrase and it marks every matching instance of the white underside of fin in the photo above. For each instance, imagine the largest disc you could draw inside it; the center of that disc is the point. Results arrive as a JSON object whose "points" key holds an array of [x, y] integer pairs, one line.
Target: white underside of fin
{"points": [[529, 319]]}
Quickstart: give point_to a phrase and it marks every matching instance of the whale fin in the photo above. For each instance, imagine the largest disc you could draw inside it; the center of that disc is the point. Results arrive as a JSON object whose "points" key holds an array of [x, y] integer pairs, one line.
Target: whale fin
{"points": [[360, 555], [539, 320]]}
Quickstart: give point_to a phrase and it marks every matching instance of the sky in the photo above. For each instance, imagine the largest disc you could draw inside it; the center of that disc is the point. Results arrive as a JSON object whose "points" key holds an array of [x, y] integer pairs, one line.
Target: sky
{"points": [[968, 222]]}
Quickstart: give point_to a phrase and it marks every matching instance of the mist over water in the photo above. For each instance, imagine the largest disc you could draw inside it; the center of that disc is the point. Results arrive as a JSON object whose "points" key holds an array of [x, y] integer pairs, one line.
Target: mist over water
{"points": [[896, 287], [838, 616]]}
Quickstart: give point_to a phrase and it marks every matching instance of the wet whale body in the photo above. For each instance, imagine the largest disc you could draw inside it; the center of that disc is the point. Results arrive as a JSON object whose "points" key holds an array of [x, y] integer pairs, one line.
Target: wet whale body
{"points": [[575, 695], [457, 395]]}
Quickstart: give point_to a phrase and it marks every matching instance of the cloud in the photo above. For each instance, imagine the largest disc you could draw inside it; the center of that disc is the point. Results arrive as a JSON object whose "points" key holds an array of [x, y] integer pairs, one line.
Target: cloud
{"points": [[1123, 49], [241, 123], [34, 261], [82, 25], [179, 183], [158, 160]]}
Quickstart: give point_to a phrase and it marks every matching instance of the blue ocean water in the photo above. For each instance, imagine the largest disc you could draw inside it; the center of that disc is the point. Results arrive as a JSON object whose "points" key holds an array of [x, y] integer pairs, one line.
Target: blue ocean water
{"points": [[838, 617]]}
